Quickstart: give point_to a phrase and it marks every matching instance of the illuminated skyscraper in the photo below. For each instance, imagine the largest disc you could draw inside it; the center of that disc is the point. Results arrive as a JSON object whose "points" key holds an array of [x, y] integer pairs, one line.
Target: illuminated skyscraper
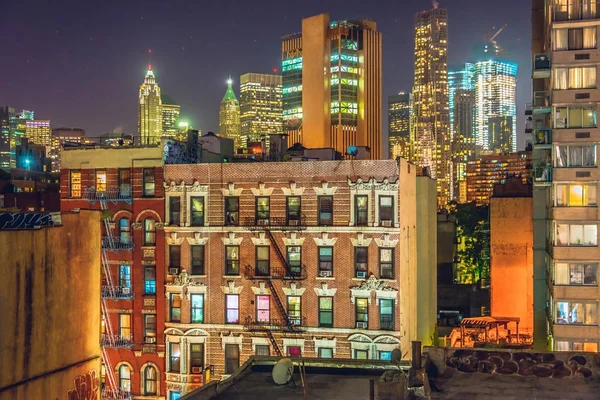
{"points": [[170, 117], [260, 106], [7, 154], [399, 115], [431, 129], [463, 142], [326, 101], [496, 96], [459, 79], [149, 110], [38, 131], [229, 116]]}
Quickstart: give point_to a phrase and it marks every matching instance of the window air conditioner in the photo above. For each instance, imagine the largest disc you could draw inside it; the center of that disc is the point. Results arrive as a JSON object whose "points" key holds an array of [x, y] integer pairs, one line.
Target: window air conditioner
{"points": [[173, 271], [386, 223], [126, 290], [361, 325], [150, 339], [324, 274], [361, 274], [196, 370]]}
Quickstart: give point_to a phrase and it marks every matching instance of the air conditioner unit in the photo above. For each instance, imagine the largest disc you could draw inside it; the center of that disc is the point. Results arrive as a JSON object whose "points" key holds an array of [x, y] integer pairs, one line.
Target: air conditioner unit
{"points": [[173, 271], [361, 325], [263, 222], [386, 223], [293, 222], [324, 274], [361, 274], [196, 370], [150, 339], [126, 290]]}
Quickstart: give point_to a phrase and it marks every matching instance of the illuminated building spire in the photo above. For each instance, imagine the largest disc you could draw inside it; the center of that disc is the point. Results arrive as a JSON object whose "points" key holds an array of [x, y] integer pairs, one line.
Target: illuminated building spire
{"points": [[229, 115], [149, 109]]}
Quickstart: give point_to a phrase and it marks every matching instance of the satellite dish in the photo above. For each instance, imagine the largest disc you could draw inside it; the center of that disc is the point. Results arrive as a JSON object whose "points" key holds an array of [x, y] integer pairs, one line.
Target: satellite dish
{"points": [[283, 371], [396, 356]]}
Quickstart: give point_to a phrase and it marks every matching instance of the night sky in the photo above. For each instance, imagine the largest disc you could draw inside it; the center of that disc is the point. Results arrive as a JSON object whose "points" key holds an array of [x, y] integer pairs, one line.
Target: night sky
{"points": [[80, 63]]}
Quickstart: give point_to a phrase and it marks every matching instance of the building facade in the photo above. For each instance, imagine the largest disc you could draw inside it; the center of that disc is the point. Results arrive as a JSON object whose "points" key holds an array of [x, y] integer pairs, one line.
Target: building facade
{"points": [[464, 148], [125, 183], [399, 120], [150, 128], [565, 146], [170, 117], [344, 106], [229, 116], [313, 260], [6, 152], [431, 128], [459, 79], [38, 131], [491, 169]]}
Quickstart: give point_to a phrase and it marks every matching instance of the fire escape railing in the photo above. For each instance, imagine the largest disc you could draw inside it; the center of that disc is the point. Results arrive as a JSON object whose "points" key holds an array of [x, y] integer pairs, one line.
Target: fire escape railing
{"points": [[112, 194], [117, 243]]}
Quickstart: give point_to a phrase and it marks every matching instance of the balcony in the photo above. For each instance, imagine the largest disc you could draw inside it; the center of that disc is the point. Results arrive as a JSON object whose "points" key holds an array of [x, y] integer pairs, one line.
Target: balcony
{"points": [[542, 102], [279, 223], [276, 272], [116, 292], [109, 394], [575, 10], [289, 324], [541, 66], [542, 175], [117, 244], [542, 139], [116, 341], [112, 194]]}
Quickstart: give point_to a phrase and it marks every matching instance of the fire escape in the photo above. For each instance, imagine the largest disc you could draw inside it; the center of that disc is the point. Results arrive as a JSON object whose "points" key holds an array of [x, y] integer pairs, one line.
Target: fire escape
{"points": [[110, 291], [285, 271]]}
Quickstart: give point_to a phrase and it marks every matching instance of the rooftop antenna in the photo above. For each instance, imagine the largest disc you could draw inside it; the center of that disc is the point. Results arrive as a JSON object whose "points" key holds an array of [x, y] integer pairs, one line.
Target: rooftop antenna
{"points": [[149, 59]]}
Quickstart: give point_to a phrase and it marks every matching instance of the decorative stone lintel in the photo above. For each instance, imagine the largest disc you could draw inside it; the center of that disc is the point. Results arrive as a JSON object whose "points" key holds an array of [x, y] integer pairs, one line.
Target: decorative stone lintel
{"points": [[354, 293], [385, 241], [136, 225], [260, 289], [231, 339], [293, 290], [325, 190], [159, 225], [361, 240], [231, 288], [231, 190], [262, 190], [174, 239], [293, 240], [293, 190], [261, 240], [173, 187], [197, 240], [231, 240], [324, 291], [196, 187], [325, 240]]}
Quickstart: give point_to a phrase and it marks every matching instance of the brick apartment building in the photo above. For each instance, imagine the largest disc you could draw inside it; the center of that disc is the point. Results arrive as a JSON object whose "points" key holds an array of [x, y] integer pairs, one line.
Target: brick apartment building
{"points": [[126, 184], [314, 259]]}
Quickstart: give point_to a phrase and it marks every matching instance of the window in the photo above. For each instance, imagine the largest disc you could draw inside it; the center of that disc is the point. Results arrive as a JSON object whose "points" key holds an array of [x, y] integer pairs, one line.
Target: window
{"points": [[125, 326], [576, 235], [575, 117], [232, 211], [575, 274], [197, 356], [325, 352], [591, 347], [386, 263], [175, 396], [326, 261], [263, 308], [232, 305], [386, 314], [576, 313], [575, 38], [294, 351], [175, 360], [325, 210], [150, 279], [148, 188], [150, 328], [262, 260], [197, 259], [361, 312], [125, 182], [361, 210], [361, 260], [293, 210], [125, 276], [125, 378], [294, 309], [294, 259], [149, 232], [174, 210], [232, 260], [574, 78], [75, 183], [124, 231], [175, 304], [386, 210], [326, 312], [575, 195], [197, 308], [361, 354], [174, 256], [262, 210], [232, 358], [575, 156], [100, 180], [150, 381], [385, 355], [262, 350], [197, 211]]}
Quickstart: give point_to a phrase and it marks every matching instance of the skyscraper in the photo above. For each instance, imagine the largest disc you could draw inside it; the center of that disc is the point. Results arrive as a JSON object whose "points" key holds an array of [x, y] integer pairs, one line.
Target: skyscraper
{"points": [[431, 131], [38, 131], [7, 153], [170, 117], [496, 96], [326, 101], [229, 116], [399, 115], [149, 110], [459, 79], [261, 109], [463, 142]]}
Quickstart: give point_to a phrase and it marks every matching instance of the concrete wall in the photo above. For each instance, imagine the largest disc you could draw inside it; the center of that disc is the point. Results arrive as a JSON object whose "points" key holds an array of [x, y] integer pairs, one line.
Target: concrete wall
{"points": [[50, 309], [511, 259]]}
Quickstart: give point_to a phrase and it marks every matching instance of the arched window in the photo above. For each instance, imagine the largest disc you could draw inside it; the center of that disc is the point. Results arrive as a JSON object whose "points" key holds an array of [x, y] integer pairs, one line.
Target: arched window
{"points": [[124, 378], [124, 230], [149, 232], [150, 381]]}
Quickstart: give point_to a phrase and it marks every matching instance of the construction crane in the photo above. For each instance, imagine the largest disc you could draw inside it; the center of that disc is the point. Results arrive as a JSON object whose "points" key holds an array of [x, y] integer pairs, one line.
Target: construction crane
{"points": [[491, 39]]}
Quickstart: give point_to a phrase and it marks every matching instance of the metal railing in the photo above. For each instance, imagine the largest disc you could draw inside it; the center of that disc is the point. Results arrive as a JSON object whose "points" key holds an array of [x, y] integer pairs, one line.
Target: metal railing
{"points": [[542, 174], [276, 272], [573, 10], [116, 292], [542, 136], [116, 341], [541, 61], [289, 324], [542, 99], [110, 394], [114, 194], [279, 223], [117, 243]]}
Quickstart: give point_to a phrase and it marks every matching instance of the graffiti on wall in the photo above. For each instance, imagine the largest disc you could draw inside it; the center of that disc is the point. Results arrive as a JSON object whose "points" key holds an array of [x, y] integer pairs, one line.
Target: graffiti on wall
{"points": [[86, 387], [33, 220]]}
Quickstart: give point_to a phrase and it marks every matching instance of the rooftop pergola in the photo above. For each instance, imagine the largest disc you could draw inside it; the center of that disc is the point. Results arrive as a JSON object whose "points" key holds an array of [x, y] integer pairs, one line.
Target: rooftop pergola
{"points": [[487, 323]]}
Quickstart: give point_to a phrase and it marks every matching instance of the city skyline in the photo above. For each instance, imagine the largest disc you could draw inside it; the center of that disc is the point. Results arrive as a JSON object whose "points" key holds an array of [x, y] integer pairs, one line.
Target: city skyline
{"points": [[193, 69]]}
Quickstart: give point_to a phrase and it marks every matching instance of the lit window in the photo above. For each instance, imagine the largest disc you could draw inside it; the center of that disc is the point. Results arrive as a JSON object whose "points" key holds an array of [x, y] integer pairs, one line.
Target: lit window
{"points": [[232, 260], [125, 326], [386, 210], [576, 235], [232, 304], [262, 260], [125, 378], [175, 359], [326, 311], [325, 261], [386, 263], [149, 232], [262, 210], [232, 211], [197, 308], [325, 352], [386, 314], [175, 307], [148, 184], [361, 210], [75, 183], [150, 279], [361, 313], [100, 181], [576, 313], [197, 356], [294, 309], [150, 328], [576, 195], [150, 381], [294, 260], [263, 308], [197, 211], [575, 274]]}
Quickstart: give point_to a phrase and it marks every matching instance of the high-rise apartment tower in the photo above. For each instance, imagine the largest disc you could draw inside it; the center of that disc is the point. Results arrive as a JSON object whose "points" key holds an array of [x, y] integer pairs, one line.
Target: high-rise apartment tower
{"points": [[149, 110], [260, 107]]}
